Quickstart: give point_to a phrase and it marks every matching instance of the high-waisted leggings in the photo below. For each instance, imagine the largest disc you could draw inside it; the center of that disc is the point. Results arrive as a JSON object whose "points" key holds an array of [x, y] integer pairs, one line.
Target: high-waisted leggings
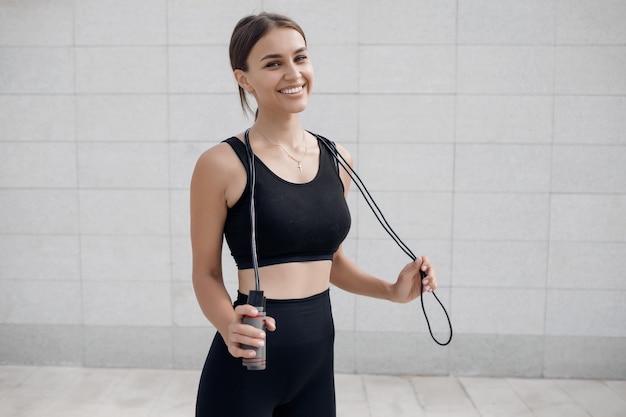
{"points": [[299, 378]]}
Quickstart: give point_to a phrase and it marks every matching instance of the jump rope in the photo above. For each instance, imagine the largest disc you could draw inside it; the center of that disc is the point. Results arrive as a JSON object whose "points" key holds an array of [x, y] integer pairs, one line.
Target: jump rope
{"points": [[256, 297]]}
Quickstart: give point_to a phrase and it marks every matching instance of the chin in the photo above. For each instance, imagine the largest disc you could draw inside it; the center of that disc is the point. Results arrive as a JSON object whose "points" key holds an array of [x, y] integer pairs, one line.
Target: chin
{"points": [[300, 108]]}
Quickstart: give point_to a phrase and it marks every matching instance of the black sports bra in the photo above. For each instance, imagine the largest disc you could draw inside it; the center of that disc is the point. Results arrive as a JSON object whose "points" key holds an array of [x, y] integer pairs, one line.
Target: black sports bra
{"points": [[294, 222]]}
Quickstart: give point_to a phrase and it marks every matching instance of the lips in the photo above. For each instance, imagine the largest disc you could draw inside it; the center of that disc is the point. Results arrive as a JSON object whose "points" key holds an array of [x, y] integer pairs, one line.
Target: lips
{"points": [[292, 90]]}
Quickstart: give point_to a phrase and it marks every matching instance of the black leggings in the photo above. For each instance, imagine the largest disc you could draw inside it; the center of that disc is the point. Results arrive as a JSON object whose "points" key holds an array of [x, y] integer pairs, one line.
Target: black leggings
{"points": [[299, 378]]}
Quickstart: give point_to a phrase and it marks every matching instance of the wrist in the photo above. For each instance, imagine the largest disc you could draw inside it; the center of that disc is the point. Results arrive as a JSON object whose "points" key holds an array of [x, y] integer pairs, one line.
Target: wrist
{"points": [[389, 291]]}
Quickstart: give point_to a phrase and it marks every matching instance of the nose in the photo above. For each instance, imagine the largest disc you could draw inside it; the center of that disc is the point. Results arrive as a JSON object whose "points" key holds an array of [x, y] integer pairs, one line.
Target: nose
{"points": [[292, 72]]}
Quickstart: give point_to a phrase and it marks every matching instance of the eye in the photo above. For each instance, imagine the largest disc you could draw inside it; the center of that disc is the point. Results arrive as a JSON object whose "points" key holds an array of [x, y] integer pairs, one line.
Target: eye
{"points": [[272, 64], [300, 58]]}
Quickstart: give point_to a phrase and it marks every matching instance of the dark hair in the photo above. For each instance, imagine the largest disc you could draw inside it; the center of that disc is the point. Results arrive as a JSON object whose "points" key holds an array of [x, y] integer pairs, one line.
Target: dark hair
{"points": [[246, 34]]}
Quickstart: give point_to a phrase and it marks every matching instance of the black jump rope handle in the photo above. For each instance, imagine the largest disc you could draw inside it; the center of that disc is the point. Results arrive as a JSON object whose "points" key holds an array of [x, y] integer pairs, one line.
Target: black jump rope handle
{"points": [[259, 361]]}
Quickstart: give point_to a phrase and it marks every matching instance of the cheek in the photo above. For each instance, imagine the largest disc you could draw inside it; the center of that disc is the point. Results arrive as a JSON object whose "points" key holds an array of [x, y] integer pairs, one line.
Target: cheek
{"points": [[310, 76], [263, 85]]}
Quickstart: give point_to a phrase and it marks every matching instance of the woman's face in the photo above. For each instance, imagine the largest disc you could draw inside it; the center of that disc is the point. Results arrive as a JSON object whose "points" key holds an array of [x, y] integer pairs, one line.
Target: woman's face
{"points": [[280, 74]]}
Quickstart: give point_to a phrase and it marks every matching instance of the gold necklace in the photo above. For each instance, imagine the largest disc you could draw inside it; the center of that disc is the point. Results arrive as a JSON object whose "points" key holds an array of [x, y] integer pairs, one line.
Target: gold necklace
{"points": [[299, 162]]}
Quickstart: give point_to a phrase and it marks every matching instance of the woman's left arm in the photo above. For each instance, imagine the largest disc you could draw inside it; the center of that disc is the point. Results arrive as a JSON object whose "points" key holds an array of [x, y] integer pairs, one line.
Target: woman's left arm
{"points": [[346, 275]]}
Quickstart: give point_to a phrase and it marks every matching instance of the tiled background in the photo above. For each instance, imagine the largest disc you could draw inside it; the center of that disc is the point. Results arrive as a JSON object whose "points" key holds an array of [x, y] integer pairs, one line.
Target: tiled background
{"points": [[491, 132]]}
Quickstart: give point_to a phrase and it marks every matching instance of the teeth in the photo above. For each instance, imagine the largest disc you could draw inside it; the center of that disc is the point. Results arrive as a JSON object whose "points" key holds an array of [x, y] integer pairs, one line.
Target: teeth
{"points": [[291, 90]]}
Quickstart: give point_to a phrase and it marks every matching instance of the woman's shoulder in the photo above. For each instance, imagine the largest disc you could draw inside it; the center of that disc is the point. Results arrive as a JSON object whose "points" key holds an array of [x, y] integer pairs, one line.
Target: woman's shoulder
{"points": [[219, 158], [336, 146]]}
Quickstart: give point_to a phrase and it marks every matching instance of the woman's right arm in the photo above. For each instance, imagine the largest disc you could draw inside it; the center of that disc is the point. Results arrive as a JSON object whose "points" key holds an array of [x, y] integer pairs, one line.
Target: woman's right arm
{"points": [[208, 208]]}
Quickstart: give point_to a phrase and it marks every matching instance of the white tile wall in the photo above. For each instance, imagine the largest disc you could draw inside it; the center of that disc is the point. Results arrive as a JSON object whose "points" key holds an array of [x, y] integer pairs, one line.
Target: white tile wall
{"points": [[585, 313], [591, 22], [416, 167], [122, 118], [490, 133], [124, 212], [407, 22], [590, 70], [36, 23], [126, 303], [182, 161], [588, 218], [123, 165], [38, 211], [507, 22], [195, 22], [181, 259], [512, 217], [31, 257], [418, 215], [507, 119], [497, 355], [114, 346], [505, 69], [592, 120], [190, 346], [121, 69], [200, 69], [179, 213], [587, 265], [38, 118], [335, 67], [413, 118], [344, 309], [30, 301], [569, 355], [497, 264], [497, 168], [335, 117], [405, 69], [185, 309], [37, 70], [52, 344], [324, 22], [125, 258], [37, 165], [604, 169], [120, 22], [199, 118], [377, 315], [517, 311]]}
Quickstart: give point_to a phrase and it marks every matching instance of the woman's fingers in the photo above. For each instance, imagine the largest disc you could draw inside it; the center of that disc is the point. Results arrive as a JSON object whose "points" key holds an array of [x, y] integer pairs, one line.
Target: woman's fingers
{"points": [[243, 334], [270, 323], [429, 282]]}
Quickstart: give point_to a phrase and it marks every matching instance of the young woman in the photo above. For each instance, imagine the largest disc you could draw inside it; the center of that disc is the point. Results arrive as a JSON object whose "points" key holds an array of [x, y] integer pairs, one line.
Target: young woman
{"points": [[302, 219]]}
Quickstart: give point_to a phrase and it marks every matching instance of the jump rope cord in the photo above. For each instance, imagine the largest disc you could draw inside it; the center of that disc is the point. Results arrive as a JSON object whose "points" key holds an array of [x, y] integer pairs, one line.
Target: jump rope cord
{"points": [[255, 261], [383, 222], [370, 202]]}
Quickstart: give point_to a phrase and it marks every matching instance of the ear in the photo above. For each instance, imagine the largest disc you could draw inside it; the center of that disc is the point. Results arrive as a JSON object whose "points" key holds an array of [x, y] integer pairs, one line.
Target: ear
{"points": [[242, 80]]}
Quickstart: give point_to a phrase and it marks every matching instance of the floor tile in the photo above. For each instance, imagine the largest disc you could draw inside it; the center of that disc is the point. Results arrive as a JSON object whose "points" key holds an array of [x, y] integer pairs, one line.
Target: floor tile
{"points": [[442, 397], [391, 396], [596, 397], [619, 387], [350, 388], [562, 410], [104, 392], [494, 397]]}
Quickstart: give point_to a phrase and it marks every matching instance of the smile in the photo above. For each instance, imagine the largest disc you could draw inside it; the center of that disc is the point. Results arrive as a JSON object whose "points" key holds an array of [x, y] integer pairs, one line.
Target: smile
{"points": [[293, 90]]}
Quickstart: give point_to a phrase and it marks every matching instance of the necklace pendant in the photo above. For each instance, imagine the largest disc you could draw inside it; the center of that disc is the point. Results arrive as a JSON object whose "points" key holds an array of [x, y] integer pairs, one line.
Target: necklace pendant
{"points": [[300, 166]]}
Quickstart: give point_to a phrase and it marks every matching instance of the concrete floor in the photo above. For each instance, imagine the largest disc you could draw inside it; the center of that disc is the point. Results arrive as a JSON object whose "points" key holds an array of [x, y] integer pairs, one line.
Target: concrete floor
{"points": [[95, 392]]}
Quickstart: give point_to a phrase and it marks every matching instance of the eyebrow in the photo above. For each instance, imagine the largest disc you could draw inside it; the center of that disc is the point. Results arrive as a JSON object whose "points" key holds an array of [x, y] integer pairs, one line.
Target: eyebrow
{"points": [[275, 56]]}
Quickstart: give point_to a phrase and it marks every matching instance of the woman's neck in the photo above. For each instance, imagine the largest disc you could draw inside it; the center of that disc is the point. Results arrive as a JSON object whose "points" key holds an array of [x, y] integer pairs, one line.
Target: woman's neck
{"points": [[286, 131]]}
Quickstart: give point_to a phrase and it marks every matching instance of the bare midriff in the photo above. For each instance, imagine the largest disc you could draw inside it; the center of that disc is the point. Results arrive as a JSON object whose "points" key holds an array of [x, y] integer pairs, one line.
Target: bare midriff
{"points": [[289, 280]]}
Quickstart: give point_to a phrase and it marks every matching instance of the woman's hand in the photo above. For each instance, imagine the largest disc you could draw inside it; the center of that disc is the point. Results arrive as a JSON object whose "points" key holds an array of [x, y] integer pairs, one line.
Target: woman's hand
{"points": [[407, 287], [239, 333]]}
